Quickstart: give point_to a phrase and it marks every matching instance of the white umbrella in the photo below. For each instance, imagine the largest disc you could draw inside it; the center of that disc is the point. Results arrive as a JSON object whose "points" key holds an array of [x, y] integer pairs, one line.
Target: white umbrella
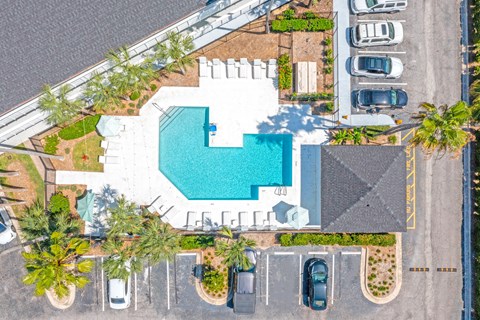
{"points": [[108, 126], [297, 217]]}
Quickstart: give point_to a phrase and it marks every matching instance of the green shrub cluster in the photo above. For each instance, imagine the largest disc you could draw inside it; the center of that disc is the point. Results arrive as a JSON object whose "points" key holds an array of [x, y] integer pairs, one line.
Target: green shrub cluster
{"points": [[329, 107], [311, 96], [213, 280], [197, 242], [58, 203], [79, 128], [284, 72], [51, 144], [312, 25], [342, 239]]}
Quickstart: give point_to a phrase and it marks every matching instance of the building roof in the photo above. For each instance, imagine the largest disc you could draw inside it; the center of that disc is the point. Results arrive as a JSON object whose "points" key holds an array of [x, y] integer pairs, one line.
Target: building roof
{"points": [[363, 189], [52, 40]]}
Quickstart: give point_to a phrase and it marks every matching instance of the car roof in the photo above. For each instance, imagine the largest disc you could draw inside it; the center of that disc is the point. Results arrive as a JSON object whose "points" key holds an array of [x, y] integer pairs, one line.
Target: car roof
{"points": [[371, 63], [373, 29], [320, 291], [117, 288], [245, 282]]}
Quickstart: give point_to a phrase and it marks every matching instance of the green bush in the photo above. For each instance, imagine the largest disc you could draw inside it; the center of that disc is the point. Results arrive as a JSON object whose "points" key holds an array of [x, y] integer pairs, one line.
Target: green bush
{"points": [[288, 14], [214, 280], [329, 106], [284, 72], [314, 25], [328, 70], [135, 95], [130, 111], [58, 203], [320, 24], [153, 87], [197, 242], [342, 239], [80, 128], [311, 96], [392, 139], [51, 144], [309, 15], [327, 41]]}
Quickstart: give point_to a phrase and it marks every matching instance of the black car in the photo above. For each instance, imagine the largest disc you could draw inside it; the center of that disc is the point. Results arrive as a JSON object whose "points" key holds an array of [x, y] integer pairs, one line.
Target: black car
{"points": [[244, 295], [381, 98], [317, 284]]}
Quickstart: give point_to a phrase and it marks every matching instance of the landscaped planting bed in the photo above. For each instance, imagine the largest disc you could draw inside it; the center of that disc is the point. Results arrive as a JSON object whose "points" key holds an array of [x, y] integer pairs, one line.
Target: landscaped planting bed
{"points": [[342, 239], [381, 270], [215, 277]]}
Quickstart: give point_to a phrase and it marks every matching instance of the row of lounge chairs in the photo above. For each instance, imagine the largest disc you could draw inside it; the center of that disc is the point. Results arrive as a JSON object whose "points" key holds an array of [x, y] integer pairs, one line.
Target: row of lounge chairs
{"points": [[241, 222], [112, 150], [236, 69]]}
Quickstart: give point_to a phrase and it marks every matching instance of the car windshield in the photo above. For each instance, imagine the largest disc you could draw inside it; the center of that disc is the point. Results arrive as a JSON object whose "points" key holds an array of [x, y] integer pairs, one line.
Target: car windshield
{"points": [[387, 66], [393, 95], [118, 300], [371, 3], [319, 276], [391, 31], [319, 303], [2, 228]]}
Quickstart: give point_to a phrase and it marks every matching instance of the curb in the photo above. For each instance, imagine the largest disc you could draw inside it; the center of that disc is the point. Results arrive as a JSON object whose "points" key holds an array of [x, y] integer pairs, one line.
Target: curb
{"points": [[64, 303], [398, 274], [201, 292]]}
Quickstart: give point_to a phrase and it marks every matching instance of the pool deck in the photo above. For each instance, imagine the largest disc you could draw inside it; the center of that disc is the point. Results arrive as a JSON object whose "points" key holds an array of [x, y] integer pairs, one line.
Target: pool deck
{"points": [[237, 106]]}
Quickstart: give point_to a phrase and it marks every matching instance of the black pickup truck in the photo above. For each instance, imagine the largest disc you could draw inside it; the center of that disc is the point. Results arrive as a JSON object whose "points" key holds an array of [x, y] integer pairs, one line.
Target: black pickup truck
{"points": [[244, 296]]}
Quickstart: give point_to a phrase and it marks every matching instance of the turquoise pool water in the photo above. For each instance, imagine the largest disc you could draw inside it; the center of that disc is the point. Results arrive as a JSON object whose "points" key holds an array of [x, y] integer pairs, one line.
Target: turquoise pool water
{"points": [[201, 172]]}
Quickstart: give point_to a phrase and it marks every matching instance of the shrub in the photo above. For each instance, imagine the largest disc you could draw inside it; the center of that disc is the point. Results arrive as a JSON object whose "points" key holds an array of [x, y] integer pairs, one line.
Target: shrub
{"points": [[392, 139], [196, 242], [320, 24], [329, 107], [130, 111], [328, 70], [51, 144], [135, 95], [327, 41], [342, 239], [213, 280], [311, 96], [284, 72], [329, 61], [80, 128], [314, 25], [131, 105], [67, 150], [288, 14], [153, 87], [309, 15], [58, 203]]}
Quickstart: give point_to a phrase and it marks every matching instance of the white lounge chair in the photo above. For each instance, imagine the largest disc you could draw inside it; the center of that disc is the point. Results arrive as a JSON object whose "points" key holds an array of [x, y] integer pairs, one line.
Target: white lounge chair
{"points": [[207, 221], [105, 144], [272, 68], [191, 220], [243, 67], [243, 217], [257, 69], [231, 70], [272, 220], [259, 220], [226, 219], [108, 160], [202, 67], [217, 72]]}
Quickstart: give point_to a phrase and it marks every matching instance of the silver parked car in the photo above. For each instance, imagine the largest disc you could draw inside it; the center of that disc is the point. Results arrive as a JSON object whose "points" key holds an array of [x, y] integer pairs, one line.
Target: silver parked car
{"points": [[376, 67], [377, 6], [379, 33]]}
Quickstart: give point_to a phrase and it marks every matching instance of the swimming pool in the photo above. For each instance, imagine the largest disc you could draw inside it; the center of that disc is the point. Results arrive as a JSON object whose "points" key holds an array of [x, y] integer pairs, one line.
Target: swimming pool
{"points": [[201, 172]]}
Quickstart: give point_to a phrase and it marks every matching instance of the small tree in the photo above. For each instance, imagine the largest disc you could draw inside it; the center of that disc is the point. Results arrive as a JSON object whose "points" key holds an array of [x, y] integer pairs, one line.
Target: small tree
{"points": [[175, 55], [34, 222], [101, 93], [233, 251], [59, 108], [122, 261], [124, 219], [57, 266]]}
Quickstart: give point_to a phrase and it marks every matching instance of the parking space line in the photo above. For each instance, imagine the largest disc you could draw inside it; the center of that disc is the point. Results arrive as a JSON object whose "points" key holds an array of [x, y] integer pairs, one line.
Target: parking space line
{"points": [[317, 252], [300, 280], [382, 52], [366, 20], [186, 254], [333, 276], [408, 134], [281, 253], [383, 83], [103, 290], [266, 289], [168, 286], [136, 288], [351, 252]]}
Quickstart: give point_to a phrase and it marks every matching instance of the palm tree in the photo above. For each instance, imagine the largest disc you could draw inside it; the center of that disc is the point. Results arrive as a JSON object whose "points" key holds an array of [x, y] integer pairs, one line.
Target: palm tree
{"points": [[59, 108], [130, 77], [233, 251], [56, 267], [124, 219], [356, 136], [34, 222], [122, 261], [175, 55], [441, 128], [158, 242], [475, 91], [102, 93], [341, 137]]}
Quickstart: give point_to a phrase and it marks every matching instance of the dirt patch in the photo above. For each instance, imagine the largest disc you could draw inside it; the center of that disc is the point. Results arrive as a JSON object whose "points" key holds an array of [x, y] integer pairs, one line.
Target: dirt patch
{"points": [[381, 270], [263, 240], [21, 181]]}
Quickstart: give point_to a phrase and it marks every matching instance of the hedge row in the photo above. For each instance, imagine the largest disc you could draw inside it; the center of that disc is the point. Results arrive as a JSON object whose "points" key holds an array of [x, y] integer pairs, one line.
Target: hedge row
{"points": [[319, 24], [311, 96], [342, 239], [80, 128], [197, 242], [284, 72]]}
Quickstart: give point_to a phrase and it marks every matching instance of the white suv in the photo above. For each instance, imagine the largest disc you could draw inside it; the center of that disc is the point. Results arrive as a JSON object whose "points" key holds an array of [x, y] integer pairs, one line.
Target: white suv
{"points": [[381, 33], [377, 6]]}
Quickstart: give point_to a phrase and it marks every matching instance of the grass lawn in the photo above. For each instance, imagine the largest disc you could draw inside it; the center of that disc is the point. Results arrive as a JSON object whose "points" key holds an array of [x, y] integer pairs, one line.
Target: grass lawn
{"points": [[33, 175], [91, 148]]}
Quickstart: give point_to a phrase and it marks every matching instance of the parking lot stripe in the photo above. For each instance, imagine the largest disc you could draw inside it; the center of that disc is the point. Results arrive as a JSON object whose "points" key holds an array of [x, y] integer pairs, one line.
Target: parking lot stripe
{"points": [[300, 280], [333, 276], [365, 20], [186, 254], [383, 83], [351, 252], [168, 286], [288, 253], [103, 291], [135, 278], [266, 289], [382, 52], [317, 252]]}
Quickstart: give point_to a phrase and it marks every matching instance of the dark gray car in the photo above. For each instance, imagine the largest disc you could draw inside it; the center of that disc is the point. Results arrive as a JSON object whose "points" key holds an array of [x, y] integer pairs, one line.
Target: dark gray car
{"points": [[317, 284], [244, 295], [381, 98]]}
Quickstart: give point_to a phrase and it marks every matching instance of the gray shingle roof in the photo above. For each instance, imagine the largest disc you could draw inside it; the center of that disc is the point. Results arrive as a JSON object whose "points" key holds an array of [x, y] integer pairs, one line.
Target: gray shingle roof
{"points": [[49, 41], [363, 189]]}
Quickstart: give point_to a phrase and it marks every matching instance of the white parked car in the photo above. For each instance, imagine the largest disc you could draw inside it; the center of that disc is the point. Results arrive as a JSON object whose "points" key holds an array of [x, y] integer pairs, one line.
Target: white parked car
{"points": [[7, 230], [376, 67], [119, 292], [380, 33], [377, 6]]}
